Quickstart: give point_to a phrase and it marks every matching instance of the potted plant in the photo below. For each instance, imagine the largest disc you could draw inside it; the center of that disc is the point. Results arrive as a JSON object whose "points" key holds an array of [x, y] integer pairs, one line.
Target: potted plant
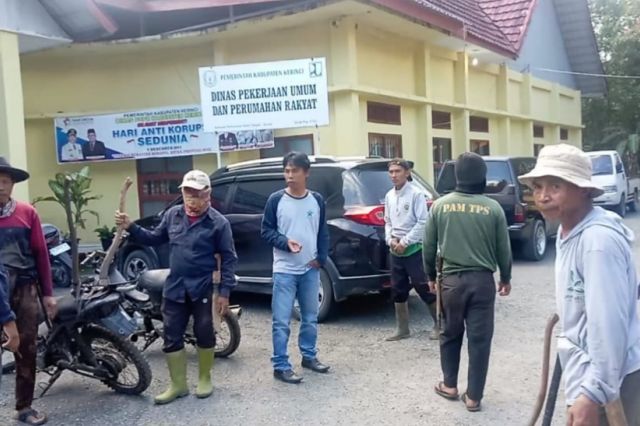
{"points": [[106, 236]]}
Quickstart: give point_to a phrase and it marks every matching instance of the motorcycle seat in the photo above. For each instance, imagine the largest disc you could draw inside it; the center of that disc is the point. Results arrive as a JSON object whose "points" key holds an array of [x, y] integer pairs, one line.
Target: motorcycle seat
{"points": [[137, 296], [67, 308], [153, 280]]}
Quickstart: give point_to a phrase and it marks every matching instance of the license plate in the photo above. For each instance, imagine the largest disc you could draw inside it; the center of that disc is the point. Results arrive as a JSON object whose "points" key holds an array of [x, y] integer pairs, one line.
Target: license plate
{"points": [[57, 250]]}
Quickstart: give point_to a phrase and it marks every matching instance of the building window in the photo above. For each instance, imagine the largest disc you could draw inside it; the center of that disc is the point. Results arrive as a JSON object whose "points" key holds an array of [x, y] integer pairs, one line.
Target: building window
{"points": [[158, 181], [538, 131], [383, 113], [441, 120], [536, 148], [564, 134], [480, 147], [441, 153], [479, 124], [282, 146], [384, 145]]}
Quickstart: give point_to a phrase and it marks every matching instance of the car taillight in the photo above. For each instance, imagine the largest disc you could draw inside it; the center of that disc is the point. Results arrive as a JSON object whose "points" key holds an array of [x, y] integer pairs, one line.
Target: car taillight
{"points": [[366, 215], [519, 215]]}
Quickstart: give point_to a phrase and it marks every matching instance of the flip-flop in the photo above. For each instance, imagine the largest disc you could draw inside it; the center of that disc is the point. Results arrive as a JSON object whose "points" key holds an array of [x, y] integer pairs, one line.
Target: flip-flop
{"points": [[31, 417], [446, 395], [472, 409]]}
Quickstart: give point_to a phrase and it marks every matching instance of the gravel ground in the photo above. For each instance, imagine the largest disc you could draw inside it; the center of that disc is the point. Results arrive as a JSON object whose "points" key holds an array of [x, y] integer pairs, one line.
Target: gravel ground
{"points": [[372, 382]]}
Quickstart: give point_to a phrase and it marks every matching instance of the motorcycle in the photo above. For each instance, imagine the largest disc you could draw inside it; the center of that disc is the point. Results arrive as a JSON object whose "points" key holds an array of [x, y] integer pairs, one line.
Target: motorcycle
{"points": [[87, 337], [145, 304], [59, 255]]}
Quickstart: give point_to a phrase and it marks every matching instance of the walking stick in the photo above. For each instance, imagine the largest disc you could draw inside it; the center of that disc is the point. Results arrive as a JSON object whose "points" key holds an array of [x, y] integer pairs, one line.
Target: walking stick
{"points": [[439, 278], [542, 392], [108, 258], [614, 411]]}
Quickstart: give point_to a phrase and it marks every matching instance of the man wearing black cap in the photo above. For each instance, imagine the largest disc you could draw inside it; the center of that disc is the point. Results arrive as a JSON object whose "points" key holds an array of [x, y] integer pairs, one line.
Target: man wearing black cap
{"points": [[405, 216], [24, 253], [94, 149], [470, 230]]}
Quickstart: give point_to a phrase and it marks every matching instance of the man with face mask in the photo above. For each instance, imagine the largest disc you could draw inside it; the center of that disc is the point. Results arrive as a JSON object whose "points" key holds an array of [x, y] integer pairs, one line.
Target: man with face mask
{"points": [[196, 233]]}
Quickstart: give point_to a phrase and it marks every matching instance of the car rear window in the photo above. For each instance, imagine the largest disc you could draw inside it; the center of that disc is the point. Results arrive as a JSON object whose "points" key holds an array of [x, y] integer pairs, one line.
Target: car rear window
{"points": [[601, 165], [368, 187]]}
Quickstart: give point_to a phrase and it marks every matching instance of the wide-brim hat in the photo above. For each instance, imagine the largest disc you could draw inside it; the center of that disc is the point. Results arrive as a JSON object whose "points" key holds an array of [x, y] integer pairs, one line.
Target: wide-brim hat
{"points": [[565, 162], [17, 175]]}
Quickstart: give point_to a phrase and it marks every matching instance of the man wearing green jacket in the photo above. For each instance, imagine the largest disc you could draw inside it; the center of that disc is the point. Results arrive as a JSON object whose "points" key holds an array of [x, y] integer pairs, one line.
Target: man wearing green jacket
{"points": [[470, 230]]}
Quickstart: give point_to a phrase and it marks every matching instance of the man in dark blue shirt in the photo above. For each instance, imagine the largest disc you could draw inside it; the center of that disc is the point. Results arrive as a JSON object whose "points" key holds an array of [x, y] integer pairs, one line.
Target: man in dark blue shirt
{"points": [[196, 233]]}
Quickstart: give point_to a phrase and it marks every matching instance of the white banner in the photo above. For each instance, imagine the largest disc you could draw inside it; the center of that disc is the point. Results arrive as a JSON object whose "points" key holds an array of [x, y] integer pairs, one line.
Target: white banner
{"points": [[268, 95], [160, 132]]}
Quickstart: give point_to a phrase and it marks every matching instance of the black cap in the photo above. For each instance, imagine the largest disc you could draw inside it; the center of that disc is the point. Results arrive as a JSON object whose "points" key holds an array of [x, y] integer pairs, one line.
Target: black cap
{"points": [[471, 173], [73, 132], [405, 164]]}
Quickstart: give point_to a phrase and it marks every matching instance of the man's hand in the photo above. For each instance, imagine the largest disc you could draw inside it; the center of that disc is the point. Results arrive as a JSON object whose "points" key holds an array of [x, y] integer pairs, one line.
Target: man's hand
{"points": [[315, 264], [504, 289], [51, 306], [122, 219], [13, 338], [222, 305], [583, 412], [294, 246], [400, 248], [432, 287], [393, 243]]}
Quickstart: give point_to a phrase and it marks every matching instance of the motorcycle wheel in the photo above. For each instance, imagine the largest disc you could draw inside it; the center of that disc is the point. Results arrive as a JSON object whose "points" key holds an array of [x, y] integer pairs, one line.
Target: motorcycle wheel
{"points": [[61, 274], [228, 339], [121, 358]]}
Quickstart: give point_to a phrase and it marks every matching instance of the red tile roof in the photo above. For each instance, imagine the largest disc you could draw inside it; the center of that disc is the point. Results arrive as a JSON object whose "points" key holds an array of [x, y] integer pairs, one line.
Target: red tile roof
{"points": [[511, 16], [501, 23]]}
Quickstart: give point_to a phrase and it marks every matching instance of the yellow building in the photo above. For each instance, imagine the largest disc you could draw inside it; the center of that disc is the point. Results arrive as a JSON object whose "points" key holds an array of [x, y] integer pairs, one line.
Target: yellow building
{"points": [[406, 78]]}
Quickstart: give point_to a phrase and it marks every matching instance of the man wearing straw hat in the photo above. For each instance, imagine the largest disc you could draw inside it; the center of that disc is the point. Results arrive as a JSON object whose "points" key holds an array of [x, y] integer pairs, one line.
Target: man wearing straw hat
{"points": [[596, 289], [23, 252]]}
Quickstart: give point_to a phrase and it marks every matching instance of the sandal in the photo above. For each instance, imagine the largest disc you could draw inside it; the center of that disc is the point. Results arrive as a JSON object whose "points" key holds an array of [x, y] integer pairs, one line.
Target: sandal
{"points": [[470, 408], [31, 417], [446, 395]]}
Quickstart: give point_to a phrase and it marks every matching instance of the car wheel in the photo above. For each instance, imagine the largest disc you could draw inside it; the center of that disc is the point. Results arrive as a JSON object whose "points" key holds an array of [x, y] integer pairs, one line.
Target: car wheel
{"points": [[536, 246], [325, 298], [633, 204], [621, 208], [136, 263]]}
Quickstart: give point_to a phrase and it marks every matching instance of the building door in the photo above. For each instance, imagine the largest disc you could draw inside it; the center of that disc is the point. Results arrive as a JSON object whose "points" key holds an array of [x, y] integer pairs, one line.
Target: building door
{"points": [[158, 181]]}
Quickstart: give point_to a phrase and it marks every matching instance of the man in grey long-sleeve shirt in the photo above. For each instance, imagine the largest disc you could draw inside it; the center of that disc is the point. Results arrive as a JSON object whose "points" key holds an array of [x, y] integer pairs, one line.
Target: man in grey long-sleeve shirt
{"points": [[596, 289]]}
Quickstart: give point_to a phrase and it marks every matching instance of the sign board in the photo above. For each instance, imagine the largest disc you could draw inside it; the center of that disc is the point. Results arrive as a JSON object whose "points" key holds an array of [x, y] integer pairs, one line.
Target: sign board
{"points": [[268, 95], [160, 132]]}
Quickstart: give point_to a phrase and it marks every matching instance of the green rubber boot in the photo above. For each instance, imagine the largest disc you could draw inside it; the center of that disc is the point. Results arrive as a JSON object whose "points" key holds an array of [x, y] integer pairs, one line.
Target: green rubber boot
{"points": [[205, 362], [177, 363]]}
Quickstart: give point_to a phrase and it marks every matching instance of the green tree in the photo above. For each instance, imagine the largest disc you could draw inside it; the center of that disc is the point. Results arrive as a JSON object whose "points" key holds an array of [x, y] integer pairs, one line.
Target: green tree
{"points": [[609, 120]]}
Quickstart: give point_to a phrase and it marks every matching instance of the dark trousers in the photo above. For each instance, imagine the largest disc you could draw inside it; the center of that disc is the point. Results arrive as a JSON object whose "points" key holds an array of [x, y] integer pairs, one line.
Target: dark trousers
{"points": [[468, 299], [25, 305], [407, 272], [175, 316]]}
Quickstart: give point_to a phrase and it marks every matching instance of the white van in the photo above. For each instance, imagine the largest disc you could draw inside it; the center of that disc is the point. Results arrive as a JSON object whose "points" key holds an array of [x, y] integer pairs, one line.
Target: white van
{"points": [[621, 190]]}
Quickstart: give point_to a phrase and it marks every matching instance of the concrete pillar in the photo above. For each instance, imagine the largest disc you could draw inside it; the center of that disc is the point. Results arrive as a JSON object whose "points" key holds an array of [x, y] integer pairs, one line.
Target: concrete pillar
{"points": [[503, 88], [460, 141], [500, 145], [349, 137], [12, 134], [461, 70], [422, 65]]}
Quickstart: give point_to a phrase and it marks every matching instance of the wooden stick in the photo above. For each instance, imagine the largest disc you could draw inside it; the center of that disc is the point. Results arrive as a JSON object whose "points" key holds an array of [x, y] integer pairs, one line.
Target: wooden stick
{"points": [[542, 393], [108, 258]]}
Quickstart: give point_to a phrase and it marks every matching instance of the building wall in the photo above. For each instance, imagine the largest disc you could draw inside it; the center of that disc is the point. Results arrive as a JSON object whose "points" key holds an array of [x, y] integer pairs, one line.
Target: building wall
{"points": [[543, 47], [364, 64]]}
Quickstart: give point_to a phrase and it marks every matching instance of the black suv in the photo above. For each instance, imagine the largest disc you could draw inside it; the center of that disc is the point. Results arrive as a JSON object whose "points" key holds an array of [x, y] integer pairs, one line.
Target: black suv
{"points": [[354, 191], [527, 228]]}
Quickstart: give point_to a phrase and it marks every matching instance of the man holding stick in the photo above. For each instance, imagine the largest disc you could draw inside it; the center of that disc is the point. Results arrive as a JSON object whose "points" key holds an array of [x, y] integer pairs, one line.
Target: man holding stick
{"points": [[596, 289], [24, 254], [471, 231]]}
